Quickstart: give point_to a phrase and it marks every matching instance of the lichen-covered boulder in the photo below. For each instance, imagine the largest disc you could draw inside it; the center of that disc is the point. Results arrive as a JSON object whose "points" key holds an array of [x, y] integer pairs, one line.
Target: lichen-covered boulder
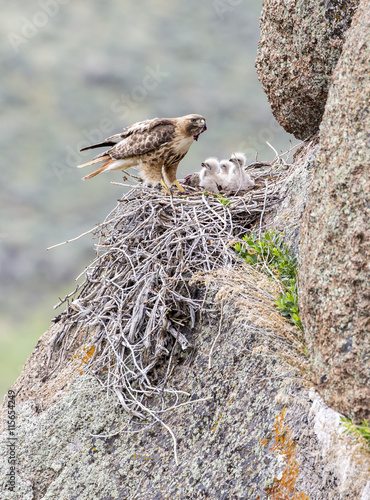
{"points": [[252, 428], [335, 235], [299, 47]]}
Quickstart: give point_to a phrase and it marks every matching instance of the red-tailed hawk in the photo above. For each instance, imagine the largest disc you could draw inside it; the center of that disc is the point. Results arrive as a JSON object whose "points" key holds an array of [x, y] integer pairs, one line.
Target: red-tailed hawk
{"points": [[155, 147]]}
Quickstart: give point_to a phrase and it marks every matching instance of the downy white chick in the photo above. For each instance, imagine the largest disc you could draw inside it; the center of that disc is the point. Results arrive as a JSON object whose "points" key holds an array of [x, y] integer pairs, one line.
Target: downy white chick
{"points": [[209, 175], [207, 181], [225, 168], [238, 177]]}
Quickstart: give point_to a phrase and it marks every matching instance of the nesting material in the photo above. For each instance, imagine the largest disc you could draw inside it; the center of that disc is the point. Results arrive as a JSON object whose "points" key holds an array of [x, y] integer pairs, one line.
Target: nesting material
{"points": [[137, 304]]}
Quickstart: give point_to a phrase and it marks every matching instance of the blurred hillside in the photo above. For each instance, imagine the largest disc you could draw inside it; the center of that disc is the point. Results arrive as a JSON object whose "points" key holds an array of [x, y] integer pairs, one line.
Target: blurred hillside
{"points": [[75, 72]]}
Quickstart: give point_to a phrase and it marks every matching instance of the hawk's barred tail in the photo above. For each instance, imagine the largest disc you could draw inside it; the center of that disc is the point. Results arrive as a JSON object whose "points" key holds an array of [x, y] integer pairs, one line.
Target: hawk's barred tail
{"points": [[97, 160], [101, 169]]}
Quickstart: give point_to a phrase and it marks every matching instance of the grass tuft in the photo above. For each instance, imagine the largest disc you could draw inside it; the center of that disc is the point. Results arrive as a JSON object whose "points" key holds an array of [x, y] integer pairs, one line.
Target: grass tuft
{"points": [[270, 255]]}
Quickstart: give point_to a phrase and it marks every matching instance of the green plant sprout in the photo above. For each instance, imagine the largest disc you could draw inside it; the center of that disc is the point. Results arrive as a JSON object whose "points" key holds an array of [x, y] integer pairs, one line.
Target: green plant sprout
{"points": [[222, 199], [358, 431], [270, 250]]}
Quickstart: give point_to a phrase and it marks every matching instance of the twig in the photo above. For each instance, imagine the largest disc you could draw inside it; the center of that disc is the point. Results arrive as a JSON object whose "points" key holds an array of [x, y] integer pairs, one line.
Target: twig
{"points": [[263, 211], [80, 236], [274, 150]]}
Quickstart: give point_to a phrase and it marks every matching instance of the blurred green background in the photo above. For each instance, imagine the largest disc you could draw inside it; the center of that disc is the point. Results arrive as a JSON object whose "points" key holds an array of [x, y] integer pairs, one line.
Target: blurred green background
{"points": [[74, 72]]}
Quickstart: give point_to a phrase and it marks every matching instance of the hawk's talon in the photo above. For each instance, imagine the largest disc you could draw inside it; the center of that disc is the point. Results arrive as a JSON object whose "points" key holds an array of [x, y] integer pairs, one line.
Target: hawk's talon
{"points": [[179, 187], [165, 187]]}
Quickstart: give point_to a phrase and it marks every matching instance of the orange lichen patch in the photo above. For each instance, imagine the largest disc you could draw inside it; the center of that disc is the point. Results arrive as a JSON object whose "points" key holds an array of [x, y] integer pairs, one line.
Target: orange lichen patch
{"points": [[284, 488], [88, 354]]}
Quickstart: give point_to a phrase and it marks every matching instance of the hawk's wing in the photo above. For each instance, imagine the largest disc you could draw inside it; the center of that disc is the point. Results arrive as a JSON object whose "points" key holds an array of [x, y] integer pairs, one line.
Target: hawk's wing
{"points": [[114, 139], [138, 139], [145, 139], [136, 127]]}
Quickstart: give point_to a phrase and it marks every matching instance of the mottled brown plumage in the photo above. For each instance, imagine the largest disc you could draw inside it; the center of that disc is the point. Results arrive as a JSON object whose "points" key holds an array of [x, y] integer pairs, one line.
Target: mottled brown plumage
{"points": [[155, 147]]}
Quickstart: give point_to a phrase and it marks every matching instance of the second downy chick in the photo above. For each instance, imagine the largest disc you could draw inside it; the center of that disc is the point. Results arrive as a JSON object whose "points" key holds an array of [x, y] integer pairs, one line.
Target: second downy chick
{"points": [[225, 168], [238, 177]]}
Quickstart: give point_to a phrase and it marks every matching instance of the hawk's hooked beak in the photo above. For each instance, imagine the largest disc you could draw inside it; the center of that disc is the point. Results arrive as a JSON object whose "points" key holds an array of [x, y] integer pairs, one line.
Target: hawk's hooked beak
{"points": [[205, 165], [203, 128]]}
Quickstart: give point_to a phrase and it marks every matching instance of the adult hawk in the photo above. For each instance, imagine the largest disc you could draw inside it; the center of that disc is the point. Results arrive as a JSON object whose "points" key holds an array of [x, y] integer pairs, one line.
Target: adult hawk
{"points": [[155, 147]]}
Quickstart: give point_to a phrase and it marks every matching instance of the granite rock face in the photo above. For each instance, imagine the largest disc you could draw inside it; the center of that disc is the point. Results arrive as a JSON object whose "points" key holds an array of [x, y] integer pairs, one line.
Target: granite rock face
{"points": [[299, 47], [285, 217], [259, 430], [335, 235]]}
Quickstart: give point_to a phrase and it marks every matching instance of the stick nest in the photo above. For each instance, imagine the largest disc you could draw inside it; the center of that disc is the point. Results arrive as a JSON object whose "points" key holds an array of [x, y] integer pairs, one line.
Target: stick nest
{"points": [[137, 303]]}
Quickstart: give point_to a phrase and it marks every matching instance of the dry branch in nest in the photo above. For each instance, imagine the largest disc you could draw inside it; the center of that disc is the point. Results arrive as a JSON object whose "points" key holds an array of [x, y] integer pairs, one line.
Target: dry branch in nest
{"points": [[136, 303]]}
